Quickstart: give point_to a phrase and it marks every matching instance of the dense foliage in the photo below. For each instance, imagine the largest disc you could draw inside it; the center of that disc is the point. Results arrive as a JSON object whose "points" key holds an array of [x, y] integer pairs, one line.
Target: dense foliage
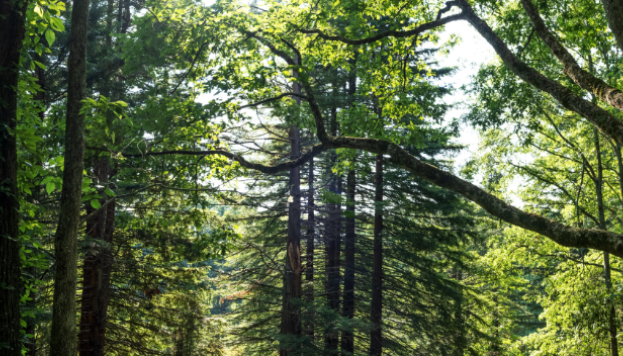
{"points": [[280, 178]]}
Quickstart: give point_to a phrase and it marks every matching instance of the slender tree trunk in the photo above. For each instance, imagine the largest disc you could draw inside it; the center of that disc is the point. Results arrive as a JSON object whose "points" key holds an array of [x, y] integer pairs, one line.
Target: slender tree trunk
{"points": [[63, 338], [291, 313], [12, 28], [376, 339], [460, 340], [612, 328], [309, 268], [348, 308], [333, 229], [96, 275]]}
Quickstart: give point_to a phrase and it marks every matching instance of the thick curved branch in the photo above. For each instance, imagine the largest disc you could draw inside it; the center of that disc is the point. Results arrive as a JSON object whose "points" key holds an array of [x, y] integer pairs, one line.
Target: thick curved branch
{"points": [[599, 117], [562, 234], [398, 34], [611, 95]]}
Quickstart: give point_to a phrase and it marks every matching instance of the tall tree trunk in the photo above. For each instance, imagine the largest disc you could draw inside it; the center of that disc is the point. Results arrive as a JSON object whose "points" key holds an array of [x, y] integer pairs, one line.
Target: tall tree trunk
{"points": [[333, 229], [12, 29], [309, 267], [63, 338], [291, 312], [376, 340], [348, 307], [612, 328], [96, 274]]}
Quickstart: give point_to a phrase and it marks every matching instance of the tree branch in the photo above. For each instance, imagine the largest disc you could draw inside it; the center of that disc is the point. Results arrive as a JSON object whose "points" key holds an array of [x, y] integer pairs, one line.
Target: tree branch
{"points": [[601, 118], [587, 81], [273, 99], [397, 34]]}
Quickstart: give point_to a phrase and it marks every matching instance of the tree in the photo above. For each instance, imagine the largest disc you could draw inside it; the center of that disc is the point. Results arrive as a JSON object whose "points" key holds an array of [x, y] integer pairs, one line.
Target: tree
{"points": [[13, 14], [63, 340]]}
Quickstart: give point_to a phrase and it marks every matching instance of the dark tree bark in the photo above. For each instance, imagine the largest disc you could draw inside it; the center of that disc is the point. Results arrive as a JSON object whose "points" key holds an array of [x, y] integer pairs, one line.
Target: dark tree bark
{"points": [[309, 267], [614, 13], [291, 312], [12, 29], [348, 307], [63, 341], [96, 274], [612, 328], [376, 337]]}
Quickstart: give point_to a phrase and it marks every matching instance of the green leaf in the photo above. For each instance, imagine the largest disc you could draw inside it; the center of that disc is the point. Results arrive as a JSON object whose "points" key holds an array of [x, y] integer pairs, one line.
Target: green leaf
{"points": [[95, 204], [113, 137], [109, 192], [50, 37], [39, 10], [57, 24], [50, 187]]}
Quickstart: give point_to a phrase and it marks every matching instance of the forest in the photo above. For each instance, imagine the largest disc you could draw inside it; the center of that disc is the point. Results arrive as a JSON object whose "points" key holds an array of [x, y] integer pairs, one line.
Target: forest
{"points": [[311, 177]]}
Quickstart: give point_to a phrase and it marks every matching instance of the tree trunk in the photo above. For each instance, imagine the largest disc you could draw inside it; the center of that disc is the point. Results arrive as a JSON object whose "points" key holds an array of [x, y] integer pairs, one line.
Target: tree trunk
{"points": [[460, 340], [96, 275], [309, 268], [614, 13], [12, 29], [348, 307], [63, 338], [291, 313], [333, 229], [376, 345], [612, 328]]}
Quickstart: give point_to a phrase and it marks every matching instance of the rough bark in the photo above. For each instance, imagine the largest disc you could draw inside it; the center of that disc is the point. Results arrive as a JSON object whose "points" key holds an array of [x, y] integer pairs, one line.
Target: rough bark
{"points": [[605, 92], [309, 267], [614, 14], [291, 313], [96, 275], [376, 336], [612, 328], [348, 306], [12, 29], [599, 117], [63, 331]]}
